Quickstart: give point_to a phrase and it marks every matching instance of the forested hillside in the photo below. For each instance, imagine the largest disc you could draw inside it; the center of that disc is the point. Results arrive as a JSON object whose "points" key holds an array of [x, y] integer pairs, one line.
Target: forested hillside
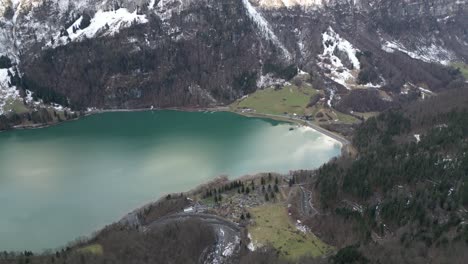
{"points": [[403, 199]]}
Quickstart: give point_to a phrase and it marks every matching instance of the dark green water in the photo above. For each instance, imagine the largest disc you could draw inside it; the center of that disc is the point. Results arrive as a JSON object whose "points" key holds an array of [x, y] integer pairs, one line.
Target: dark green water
{"points": [[66, 181]]}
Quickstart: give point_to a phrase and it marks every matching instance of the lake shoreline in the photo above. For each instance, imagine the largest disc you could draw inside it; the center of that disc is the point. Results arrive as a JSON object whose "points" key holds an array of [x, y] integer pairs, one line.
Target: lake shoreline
{"points": [[341, 139], [101, 111], [287, 124], [346, 145]]}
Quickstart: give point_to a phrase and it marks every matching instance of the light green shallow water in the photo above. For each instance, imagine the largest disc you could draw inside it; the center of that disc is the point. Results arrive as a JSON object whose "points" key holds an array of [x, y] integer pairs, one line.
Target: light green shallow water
{"points": [[66, 181]]}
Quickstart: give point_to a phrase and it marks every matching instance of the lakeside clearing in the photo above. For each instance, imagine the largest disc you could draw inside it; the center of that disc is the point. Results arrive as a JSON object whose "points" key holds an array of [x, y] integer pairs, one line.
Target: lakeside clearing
{"points": [[288, 99], [294, 101]]}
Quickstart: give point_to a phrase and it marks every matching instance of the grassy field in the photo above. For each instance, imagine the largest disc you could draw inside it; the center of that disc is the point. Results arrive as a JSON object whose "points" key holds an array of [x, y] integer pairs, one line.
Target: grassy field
{"points": [[273, 226], [94, 249], [462, 67], [289, 99]]}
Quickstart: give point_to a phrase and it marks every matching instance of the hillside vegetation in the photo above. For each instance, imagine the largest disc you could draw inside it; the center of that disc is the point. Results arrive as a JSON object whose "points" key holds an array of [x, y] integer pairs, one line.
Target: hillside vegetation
{"points": [[407, 189]]}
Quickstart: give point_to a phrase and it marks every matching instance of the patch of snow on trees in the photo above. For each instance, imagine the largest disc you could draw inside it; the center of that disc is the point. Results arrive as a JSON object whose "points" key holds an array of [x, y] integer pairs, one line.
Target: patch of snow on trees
{"points": [[8, 92], [251, 246], [269, 80], [333, 43], [430, 53]]}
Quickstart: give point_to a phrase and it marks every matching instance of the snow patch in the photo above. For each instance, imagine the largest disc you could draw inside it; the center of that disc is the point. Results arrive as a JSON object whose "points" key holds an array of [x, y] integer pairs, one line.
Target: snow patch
{"points": [[191, 210], [251, 246], [230, 247], [332, 43], [151, 4], [431, 53], [450, 191], [104, 23], [268, 80], [332, 95], [302, 228], [8, 93], [29, 98]]}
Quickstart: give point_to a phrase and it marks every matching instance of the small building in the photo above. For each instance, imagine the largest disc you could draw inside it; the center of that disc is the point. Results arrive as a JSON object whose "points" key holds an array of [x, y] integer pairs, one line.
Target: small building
{"points": [[189, 210]]}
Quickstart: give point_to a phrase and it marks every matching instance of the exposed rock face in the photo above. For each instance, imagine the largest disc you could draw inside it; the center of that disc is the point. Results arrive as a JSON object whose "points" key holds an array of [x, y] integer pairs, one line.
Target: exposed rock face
{"points": [[122, 54]]}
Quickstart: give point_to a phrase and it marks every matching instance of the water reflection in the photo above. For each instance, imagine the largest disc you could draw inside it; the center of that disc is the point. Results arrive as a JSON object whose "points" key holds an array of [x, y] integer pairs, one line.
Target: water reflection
{"points": [[69, 180]]}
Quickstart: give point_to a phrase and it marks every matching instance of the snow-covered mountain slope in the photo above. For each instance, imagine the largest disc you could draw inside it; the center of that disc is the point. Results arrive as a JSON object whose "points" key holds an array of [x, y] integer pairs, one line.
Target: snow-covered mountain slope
{"points": [[143, 53]]}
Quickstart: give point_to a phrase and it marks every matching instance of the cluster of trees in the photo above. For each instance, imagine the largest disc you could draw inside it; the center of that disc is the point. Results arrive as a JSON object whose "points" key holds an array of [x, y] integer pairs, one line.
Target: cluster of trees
{"points": [[380, 130], [5, 62], [9, 13], [269, 191], [349, 255], [363, 100], [47, 94], [246, 216], [368, 72], [292, 181], [216, 192], [181, 242], [283, 72]]}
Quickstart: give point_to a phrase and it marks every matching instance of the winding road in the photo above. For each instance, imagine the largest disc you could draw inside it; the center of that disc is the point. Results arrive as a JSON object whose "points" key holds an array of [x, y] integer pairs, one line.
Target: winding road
{"points": [[228, 235]]}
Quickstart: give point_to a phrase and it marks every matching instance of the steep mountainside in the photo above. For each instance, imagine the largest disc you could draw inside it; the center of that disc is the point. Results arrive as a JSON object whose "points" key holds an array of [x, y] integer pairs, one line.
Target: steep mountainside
{"points": [[131, 54]]}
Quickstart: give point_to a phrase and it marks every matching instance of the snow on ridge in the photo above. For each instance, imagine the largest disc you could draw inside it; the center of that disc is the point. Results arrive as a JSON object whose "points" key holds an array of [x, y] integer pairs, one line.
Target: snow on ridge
{"points": [[432, 53], [107, 23], [264, 27]]}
